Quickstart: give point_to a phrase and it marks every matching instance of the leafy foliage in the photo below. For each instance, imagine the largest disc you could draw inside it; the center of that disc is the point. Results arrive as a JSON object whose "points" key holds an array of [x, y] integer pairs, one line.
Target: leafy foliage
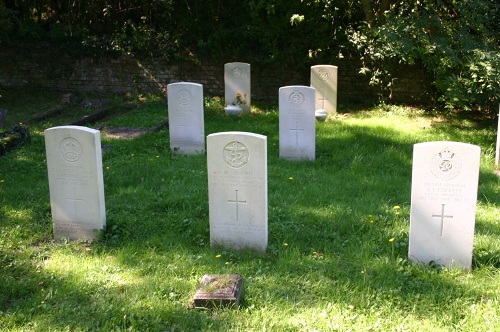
{"points": [[455, 41]]}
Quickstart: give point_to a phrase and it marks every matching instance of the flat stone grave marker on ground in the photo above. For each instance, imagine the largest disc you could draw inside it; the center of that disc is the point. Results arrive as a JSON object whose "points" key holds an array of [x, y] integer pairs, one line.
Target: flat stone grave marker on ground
{"points": [[443, 203], [219, 290], [237, 80], [75, 182], [3, 115], [186, 120], [297, 123], [237, 187], [324, 80]]}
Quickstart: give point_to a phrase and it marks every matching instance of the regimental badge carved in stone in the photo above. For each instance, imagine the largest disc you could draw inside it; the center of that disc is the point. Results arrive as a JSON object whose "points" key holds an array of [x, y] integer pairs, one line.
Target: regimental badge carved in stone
{"points": [[184, 97], [236, 154], [446, 165], [324, 74], [70, 149], [237, 72], [296, 98]]}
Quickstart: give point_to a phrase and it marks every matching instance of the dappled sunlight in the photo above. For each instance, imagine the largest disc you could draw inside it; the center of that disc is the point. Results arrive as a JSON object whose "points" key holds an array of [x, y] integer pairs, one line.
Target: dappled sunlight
{"points": [[91, 272], [17, 215], [338, 236]]}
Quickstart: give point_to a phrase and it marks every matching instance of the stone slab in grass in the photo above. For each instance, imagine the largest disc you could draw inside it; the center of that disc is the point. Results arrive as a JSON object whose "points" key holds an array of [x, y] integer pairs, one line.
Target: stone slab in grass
{"points": [[219, 290]]}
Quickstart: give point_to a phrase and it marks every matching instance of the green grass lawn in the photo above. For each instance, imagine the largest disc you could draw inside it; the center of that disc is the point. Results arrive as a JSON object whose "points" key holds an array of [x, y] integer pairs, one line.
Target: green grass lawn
{"points": [[337, 257]]}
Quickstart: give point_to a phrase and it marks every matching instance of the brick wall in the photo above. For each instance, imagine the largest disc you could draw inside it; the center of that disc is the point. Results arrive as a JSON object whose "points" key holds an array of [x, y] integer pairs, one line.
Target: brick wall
{"points": [[50, 69]]}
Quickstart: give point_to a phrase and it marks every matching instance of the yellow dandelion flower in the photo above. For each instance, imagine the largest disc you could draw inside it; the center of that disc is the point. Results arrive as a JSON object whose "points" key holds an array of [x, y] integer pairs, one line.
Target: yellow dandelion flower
{"points": [[285, 244], [218, 256], [132, 154], [391, 239], [227, 263], [290, 178], [107, 167], [397, 207], [2, 181]]}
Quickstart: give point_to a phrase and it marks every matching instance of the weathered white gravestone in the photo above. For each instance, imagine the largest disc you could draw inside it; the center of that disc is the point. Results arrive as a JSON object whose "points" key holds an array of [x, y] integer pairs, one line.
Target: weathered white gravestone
{"points": [[237, 187], [297, 123], [443, 203], [324, 80], [497, 151], [237, 83], [185, 118], [75, 181]]}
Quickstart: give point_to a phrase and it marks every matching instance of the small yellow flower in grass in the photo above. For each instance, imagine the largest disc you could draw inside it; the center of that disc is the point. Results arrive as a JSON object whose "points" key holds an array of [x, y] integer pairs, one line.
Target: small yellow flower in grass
{"points": [[218, 256], [132, 154], [397, 207], [290, 178], [107, 167], [227, 263], [2, 181], [157, 156], [391, 239], [285, 244]]}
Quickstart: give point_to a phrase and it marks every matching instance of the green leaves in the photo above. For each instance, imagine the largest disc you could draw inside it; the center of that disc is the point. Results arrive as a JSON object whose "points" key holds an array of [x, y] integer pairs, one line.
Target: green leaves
{"points": [[456, 43]]}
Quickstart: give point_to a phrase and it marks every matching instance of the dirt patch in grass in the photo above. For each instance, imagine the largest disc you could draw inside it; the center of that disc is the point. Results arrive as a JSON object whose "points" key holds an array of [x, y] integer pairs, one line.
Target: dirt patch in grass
{"points": [[124, 132]]}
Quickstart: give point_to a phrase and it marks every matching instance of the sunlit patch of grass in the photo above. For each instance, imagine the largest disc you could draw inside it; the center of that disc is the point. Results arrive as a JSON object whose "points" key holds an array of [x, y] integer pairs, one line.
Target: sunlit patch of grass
{"points": [[338, 234]]}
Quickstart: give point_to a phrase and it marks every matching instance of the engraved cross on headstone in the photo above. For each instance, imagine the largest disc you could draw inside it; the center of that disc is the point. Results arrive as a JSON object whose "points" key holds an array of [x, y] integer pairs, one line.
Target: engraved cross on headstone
{"points": [[236, 202], [442, 216], [296, 129], [184, 120], [322, 99], [76, 201]]}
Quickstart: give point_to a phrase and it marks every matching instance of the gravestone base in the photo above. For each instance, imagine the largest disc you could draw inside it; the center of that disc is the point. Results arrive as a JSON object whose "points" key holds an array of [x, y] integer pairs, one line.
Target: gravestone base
{"points": [[219, 290]]}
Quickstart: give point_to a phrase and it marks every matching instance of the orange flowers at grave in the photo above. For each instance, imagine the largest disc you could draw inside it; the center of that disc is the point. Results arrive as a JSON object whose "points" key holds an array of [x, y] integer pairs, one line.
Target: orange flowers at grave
{"points": [[240, 99]]}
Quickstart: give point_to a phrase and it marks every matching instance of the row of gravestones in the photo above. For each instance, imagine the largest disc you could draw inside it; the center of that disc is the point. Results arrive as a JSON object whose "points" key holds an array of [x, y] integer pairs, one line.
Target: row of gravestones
{"points": [[297, 106], [297, 121], [444, 183], [237, 86], [443, 199]]}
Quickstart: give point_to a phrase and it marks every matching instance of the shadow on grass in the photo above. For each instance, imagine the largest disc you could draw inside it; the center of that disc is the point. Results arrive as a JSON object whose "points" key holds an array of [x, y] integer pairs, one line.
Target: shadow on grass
{"points": [[157, 211]]}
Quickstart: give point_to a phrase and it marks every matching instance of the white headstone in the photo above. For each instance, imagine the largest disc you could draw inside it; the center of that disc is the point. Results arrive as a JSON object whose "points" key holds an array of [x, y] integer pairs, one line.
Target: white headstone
{"points": [[324, 80], [497, 151], [443, 203], [297, 123], [237, 187], [185, 118], [76, 186], [237, 83]]}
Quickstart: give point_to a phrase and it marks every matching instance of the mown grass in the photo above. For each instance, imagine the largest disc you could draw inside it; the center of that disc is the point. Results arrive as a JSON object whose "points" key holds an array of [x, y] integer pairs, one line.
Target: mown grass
{"points": [[330, 265]]}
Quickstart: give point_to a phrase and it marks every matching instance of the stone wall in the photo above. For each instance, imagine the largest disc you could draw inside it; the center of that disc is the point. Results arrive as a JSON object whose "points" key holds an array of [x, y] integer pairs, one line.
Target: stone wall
{"points": [[50, 69]]}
